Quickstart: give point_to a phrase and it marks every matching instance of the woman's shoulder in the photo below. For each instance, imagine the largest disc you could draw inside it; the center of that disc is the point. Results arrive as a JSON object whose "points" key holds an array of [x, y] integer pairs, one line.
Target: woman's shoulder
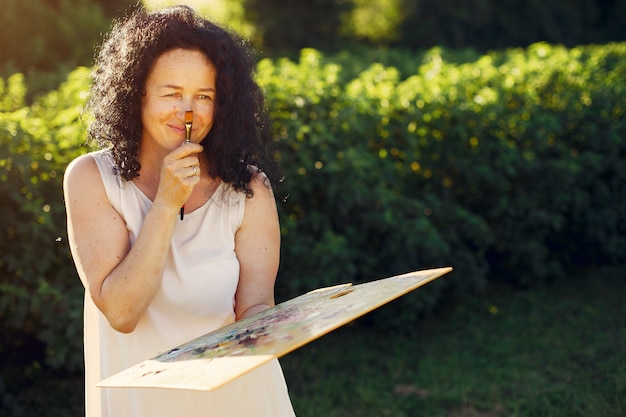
{"points": [[261, 198], [80, 166], [259, 182], [84, 169], [89, 162]]}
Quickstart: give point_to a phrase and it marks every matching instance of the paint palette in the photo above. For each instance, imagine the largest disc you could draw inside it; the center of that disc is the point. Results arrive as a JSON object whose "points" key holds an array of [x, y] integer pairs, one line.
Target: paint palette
{"points": [[217, 358]]}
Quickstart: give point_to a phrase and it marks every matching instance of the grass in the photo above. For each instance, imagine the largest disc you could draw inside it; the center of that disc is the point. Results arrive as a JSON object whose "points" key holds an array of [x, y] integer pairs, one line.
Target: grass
{"points": [[558, 351]]}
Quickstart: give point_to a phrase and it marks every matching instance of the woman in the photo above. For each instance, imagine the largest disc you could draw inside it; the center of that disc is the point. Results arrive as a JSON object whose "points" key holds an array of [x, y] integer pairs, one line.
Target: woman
{"points": [[154, 279]]}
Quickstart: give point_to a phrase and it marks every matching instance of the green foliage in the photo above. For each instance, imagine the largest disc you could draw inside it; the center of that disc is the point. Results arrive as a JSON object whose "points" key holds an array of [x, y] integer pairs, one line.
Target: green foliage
{"points": [[348, 217], [493, 24], [512, 163], [505, 166], [378, 22], [10, 405], [43, 35], [286, 27], [228, 13], [47, 39], [39, 291]]}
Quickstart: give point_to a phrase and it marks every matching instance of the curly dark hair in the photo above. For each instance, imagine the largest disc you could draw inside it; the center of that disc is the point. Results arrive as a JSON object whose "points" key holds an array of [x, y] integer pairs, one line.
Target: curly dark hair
{"points": [[240, 136]]}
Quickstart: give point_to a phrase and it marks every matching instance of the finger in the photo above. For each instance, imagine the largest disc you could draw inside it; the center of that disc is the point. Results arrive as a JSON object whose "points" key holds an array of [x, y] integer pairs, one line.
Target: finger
{"points": [[187, 164], [195, 170], [186, 149]]}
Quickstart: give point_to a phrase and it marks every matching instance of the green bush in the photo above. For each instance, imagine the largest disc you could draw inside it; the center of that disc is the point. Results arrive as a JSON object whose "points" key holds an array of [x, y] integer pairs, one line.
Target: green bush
{"points": [[512, 163], [39, 291], [507, 166], [347, 217]]}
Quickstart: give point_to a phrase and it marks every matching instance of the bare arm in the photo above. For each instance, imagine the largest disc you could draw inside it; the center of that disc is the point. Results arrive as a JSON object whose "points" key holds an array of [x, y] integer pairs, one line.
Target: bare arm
{"points": [[257, 245], [122, 280]]}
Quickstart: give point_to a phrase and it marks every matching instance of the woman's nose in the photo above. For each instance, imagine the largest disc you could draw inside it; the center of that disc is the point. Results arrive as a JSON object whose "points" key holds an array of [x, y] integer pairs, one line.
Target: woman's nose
{"points": [[182, 109]]}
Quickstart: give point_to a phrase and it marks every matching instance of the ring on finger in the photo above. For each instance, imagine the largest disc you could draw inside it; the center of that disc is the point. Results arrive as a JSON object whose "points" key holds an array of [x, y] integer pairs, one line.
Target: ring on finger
{"points": [[195, 170]]}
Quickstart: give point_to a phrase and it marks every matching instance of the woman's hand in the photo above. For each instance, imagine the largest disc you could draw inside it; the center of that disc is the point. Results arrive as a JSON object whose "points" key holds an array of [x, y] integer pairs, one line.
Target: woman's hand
{"points": [[180, 173], [123, 280]]}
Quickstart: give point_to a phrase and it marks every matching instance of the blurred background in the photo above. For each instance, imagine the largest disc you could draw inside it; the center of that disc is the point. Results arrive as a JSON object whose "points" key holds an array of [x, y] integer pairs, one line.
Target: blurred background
{"points": [[485, 135]]}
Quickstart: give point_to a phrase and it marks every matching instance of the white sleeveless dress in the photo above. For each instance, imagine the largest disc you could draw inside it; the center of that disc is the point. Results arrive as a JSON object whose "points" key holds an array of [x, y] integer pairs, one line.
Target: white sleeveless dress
{"points": [[196, 297]]}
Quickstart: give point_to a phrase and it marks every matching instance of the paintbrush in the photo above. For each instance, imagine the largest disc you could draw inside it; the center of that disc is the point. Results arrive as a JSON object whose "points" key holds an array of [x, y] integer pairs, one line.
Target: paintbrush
{"points": [[188, 124]]}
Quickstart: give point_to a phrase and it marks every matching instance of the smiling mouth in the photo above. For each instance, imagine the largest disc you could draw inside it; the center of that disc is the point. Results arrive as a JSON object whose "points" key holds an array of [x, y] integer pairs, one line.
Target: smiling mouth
{"points": [[178, 129]]}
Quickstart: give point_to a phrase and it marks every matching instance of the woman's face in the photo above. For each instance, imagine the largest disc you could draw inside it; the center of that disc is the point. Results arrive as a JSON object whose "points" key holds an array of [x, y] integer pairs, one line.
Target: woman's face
{"points": [[180, 80]]}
